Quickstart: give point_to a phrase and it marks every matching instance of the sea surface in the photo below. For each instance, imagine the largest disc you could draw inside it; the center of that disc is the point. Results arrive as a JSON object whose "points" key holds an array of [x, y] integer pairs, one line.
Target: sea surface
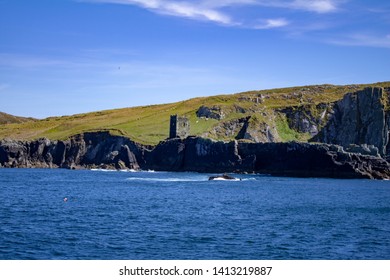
{"points": [[161, 215]]}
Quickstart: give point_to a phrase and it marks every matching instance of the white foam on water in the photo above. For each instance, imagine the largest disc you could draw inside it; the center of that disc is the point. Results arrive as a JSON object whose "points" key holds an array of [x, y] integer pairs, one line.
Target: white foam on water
{"points": [[165, 179]]}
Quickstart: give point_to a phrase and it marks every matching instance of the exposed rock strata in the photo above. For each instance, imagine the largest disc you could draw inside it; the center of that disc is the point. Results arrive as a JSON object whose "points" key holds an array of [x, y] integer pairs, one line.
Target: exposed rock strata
{"points": [[93, 150], [84, 150], [360, 118], [283, 159]]}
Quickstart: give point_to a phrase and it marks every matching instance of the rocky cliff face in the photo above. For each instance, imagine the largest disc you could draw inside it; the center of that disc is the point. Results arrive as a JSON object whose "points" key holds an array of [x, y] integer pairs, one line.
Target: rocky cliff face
{"points": [[282, 159], [360, 118], [102, 150], [85, 150]]}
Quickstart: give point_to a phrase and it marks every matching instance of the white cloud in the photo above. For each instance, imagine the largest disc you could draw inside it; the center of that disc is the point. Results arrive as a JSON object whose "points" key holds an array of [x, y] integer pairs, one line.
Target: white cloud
{"points": [[363, 40], [319, 6], [225, 12], [207, 10], [25, 61], [187, 9], [271, 23]]}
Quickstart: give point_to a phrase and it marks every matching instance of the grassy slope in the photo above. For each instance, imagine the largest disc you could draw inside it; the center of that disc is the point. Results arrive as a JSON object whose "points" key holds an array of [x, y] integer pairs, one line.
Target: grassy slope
{"points": [[149, 124], [7, 119]]}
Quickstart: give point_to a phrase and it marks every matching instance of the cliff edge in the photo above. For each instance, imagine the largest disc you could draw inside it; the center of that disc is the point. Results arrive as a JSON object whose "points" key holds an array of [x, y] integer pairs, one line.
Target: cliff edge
{"points": [[102, 150]]}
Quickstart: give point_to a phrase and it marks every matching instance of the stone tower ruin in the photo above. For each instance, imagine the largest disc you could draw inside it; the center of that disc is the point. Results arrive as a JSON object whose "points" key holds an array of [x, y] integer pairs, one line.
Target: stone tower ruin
{"points": [[179, 127]]}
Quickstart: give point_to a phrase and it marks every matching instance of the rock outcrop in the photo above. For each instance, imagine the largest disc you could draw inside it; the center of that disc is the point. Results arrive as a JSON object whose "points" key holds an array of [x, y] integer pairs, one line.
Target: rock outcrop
{"points": [[307, 118], [248, 128], [282, 159], [214, 112], [360, 118], [84, 150]]}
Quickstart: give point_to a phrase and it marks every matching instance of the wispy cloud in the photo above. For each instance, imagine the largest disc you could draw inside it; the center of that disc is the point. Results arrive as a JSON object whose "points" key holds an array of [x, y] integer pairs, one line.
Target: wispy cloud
{"points": [[186, 9], [319, 6], [217, 11], [26, 61], [363, 40], [271, 23], [294, 17]]}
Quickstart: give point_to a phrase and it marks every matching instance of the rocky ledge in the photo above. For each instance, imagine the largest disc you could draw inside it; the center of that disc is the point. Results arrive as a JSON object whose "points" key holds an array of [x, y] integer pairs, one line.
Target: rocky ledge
{"points": [[102, 150]]}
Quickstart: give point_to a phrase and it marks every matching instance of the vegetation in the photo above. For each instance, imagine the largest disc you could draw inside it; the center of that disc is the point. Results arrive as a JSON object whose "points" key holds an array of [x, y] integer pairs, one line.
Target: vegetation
{"points": [[7, 119], [150, 124]]}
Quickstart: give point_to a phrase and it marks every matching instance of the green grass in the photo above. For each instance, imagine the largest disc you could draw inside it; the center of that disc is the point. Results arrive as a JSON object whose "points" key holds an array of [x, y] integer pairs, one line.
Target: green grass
{"points": [[150, 124], [8, 119]]}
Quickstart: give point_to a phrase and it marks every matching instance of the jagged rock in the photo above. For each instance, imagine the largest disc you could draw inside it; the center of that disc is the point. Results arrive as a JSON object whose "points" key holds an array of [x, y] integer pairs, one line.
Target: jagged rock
{"points": [[245, 128], [195, 154], [121, 165], [282, 159], [363, 149], [214, 112], [230, 129], [313, 160], [82, 150], [359, 118], [302, 120], [127, 157], [256, 131], [239, 109]]}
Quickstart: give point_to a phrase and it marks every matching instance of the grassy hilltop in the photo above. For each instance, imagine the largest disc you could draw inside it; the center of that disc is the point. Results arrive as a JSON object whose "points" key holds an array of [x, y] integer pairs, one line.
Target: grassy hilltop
{"points": [[150, 124], [7, 119]]}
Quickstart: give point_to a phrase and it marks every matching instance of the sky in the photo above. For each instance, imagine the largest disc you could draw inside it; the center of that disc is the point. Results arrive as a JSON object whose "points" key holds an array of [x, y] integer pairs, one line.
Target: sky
{"points": [[62, 57]]}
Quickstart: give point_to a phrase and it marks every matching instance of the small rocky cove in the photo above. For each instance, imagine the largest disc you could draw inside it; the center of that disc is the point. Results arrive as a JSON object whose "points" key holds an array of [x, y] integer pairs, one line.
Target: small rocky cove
{"points": [[353, 143]]}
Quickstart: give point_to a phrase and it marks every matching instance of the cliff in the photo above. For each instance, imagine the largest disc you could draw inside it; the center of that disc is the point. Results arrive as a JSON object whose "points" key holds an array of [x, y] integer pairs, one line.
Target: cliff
{"points": [[102, 150], [281, 159], [360, 118], [88, 150], [255, 132], [272, 115]]}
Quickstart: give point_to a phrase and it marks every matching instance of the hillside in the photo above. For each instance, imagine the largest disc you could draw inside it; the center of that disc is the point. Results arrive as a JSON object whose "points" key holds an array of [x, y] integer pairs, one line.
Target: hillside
{"points": [[276, 115], [8, 119]]}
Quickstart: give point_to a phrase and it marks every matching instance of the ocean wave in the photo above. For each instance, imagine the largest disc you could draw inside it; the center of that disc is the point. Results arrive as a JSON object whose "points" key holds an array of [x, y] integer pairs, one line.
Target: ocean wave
{"points": [[103, 170], [166, 179]]}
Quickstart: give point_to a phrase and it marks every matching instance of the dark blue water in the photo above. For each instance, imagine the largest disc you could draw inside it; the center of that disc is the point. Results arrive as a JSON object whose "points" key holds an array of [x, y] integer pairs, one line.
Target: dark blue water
{"points": [[143, 215]]}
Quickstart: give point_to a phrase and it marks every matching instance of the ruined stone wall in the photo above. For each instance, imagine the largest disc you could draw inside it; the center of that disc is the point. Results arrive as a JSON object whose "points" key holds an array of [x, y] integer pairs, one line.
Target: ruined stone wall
{"points": [[179, 127]]}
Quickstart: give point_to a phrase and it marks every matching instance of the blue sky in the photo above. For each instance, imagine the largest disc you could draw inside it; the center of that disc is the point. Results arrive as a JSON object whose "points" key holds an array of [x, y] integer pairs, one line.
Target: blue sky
{"points": [[61, 57]]}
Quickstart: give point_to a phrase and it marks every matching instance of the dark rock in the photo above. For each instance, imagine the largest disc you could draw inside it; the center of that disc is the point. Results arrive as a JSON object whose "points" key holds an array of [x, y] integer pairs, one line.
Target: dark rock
{"points": [[222, 177], [88, 149], [313, 160], [205, 155], [363, 149], [282, 159], [166, 156], [302, 119], [214, 112], [126, 159], [102, 150], [359, 118]]}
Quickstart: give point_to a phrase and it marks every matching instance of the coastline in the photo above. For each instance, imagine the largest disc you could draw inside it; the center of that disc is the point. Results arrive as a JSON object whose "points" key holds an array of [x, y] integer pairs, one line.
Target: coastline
{"points": [[102, 150]]}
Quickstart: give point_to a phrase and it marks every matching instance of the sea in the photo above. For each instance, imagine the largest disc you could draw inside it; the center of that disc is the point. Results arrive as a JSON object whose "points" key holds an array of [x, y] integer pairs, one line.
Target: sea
{"points": [[60, 214]]}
